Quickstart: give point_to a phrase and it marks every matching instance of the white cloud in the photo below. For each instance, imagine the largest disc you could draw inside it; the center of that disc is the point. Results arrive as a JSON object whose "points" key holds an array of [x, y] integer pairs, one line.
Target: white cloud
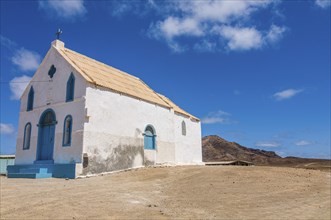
{"points": [[26, 60], [217, 117], [241, 38], [173, 27], [267, 144], [303, 143], [6, 128], [65, 9], [120, 9], [275, 33], [220, 11], [17, 86], [176, 47], [140, 8], [214, 25], [6, 42], [323, 3], [287, 94], [248, 38]]}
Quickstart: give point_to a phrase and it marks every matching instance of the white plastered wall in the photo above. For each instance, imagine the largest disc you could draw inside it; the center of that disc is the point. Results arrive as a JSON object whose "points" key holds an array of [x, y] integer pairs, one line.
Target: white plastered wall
{"points": [[51, 93], [117, 123], [115, 129], [188, 147]]}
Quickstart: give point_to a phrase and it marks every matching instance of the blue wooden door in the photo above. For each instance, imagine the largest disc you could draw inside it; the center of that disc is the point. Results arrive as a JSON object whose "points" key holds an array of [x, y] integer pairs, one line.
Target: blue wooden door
{"points": [[47, 142], [46, 135], [149, 140]]}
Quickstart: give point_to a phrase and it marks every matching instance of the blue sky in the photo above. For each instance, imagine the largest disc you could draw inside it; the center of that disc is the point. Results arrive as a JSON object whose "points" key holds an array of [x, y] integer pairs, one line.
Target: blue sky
{"points": [[255, 72]]}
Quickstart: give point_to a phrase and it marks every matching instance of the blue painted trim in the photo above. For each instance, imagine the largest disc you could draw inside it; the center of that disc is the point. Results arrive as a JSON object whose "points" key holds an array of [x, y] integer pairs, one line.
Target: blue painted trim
{"points": [[149, 125], [40, 127], [70, 88], [29, 106], [64, 129], [153, 147], [43, 115], [55, 170], [28, 146], [43, 162]]}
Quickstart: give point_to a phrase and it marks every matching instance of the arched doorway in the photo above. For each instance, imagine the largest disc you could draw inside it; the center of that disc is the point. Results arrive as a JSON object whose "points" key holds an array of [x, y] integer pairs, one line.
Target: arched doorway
{"points": [[46, 135], [149, 138]]}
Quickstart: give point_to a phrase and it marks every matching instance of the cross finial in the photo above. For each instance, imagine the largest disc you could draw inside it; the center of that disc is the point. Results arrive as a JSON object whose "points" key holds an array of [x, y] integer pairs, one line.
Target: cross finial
{"points": [[59, 31]]}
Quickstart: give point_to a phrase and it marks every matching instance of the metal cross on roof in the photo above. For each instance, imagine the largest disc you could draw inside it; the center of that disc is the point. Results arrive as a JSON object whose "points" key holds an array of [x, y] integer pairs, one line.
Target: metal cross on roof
{"points": [[59, 31]]}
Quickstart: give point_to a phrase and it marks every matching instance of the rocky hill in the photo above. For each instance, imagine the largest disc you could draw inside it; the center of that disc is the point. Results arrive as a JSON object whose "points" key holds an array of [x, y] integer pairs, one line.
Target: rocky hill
{"points": [[215, 148]]}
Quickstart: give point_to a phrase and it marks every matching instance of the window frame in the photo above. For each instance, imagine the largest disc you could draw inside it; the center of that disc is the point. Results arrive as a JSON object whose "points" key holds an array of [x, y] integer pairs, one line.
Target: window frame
{"points": [[70, 92], [29, 105], [184, 130], [27, 146], [64, 131], [153, 135]]}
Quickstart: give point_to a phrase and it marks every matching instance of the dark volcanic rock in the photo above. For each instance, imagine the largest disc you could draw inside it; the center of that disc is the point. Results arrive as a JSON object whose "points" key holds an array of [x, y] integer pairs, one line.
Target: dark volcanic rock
{"points": [[215, 148]]}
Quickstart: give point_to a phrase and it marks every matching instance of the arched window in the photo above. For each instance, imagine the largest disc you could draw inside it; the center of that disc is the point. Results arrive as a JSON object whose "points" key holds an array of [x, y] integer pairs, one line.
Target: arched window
{"points": [[27, 136], [29, 106], [183, 128], [67, 128], [70, 88], [149, 138]]}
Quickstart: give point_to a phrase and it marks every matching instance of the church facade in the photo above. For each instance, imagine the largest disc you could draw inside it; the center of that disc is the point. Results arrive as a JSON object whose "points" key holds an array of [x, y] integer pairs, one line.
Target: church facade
{"points": [[79, 116]]}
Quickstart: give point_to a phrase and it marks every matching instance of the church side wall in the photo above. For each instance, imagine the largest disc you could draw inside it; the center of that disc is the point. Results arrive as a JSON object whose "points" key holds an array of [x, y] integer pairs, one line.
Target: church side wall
{"points": [[51, 94], [113, 135], [188, 146]]}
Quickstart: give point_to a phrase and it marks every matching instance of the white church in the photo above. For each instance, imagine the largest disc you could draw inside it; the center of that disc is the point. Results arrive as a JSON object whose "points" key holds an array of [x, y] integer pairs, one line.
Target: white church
{"points": [[79, 116]]}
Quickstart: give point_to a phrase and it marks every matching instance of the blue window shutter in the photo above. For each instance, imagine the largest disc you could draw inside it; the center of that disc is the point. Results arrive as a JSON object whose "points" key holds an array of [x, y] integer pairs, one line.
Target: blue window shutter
{"points": [[70, 88], [67, 130], [29, 106], [27, 136], [149, 138]]}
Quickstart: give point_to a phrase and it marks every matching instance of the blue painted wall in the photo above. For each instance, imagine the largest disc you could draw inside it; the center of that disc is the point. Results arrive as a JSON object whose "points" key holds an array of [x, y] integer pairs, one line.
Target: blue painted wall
{"points": [[4, 162]]}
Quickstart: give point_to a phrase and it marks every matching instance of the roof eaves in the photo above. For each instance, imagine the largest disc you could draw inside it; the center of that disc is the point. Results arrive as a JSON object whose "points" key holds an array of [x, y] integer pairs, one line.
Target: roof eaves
{"points": [[187, 115], [132, 96], [157, 94], [182, 112]]}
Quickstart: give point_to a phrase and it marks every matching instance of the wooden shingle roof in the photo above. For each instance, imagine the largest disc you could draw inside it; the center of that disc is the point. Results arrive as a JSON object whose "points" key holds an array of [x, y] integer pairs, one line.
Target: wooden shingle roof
{"points": [[109, 77]]}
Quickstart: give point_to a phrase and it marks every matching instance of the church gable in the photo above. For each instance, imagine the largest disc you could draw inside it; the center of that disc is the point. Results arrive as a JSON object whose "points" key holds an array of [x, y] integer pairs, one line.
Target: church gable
{"points": [[50, 82], [109, 77]]}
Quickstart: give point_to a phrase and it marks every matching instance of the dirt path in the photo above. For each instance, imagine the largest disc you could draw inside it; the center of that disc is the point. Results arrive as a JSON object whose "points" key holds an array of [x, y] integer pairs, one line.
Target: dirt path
{"points": [[219, 192]]}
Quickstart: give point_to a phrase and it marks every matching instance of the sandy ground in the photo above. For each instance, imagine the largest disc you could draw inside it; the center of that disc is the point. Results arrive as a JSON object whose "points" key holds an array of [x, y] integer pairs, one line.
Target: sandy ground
{"points": [[219, 192]]}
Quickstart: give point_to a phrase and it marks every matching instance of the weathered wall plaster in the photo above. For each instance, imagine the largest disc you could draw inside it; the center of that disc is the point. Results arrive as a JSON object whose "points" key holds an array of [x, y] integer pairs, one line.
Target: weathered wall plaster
{"points": [[116, 120]]}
